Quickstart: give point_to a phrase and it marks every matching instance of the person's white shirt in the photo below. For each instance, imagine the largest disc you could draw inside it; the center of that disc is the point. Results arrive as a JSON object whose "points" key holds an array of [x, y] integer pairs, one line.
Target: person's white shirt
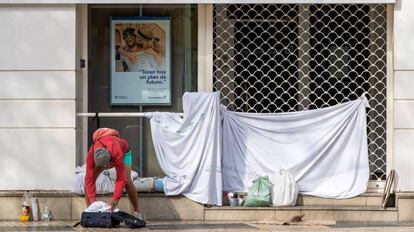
{"points": [[144, 61]]}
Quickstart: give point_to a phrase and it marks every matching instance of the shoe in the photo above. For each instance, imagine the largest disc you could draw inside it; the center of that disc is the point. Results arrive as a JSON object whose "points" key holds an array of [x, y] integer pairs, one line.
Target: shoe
{"points": [[139, 215]]}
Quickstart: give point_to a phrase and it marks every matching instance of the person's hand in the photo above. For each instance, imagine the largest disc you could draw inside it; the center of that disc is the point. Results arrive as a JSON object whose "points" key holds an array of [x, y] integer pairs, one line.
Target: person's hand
{"points": [[132, 57], [150, 51], [113, 204], [158, 57]]}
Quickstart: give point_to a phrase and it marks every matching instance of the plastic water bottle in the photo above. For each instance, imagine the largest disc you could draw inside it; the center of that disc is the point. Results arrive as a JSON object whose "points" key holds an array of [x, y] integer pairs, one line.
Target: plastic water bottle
{"points": [[35, 209], [46, 214], [26, 198]]}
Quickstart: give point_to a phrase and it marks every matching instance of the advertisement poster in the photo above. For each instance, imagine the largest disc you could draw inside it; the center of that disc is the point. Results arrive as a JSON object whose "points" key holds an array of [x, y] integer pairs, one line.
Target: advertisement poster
{"points": [[140, 61]]}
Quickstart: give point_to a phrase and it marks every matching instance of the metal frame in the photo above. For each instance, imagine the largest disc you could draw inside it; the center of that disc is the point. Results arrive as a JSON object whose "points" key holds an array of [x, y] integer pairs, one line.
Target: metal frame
{"points": [[112, 54], [377, 30], [195, 1]]}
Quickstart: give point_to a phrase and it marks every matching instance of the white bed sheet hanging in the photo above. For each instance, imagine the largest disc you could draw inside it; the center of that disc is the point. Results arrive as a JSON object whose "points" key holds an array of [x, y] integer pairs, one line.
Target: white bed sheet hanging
{"points": [[324, 149], [189, 149]]}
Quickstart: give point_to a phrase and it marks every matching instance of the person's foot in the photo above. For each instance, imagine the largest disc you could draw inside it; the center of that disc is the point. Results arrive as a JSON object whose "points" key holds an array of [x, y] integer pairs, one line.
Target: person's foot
{"points": [[139, 215]]}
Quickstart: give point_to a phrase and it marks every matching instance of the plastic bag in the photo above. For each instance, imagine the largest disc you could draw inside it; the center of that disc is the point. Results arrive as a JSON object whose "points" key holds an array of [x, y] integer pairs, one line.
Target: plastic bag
{"points": [[144, 184], [98, 206], [284, 189], [259, 193]]}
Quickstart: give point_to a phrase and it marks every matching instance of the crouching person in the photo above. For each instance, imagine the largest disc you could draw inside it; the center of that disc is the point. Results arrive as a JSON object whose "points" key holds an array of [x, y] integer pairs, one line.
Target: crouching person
{"points": [[107, 151]]}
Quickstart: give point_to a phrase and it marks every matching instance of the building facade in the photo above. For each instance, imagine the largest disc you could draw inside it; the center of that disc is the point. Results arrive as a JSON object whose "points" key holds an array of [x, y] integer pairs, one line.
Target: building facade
{"points": [[264, 56]]}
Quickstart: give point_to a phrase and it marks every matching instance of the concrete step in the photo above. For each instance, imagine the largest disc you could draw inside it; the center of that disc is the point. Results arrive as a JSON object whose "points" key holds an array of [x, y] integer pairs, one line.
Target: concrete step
{"points": [[65, 205], [317, 213], [156, 206], [366, 199]]}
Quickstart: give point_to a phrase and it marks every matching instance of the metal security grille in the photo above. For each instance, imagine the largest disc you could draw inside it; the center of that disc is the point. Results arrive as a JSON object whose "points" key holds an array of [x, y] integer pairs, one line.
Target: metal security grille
{"points": [[282, 58]]}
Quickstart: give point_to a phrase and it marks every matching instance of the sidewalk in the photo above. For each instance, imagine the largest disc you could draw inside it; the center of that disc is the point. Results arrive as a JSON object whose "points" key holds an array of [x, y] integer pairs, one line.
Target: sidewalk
{"points": [[194, 226]]}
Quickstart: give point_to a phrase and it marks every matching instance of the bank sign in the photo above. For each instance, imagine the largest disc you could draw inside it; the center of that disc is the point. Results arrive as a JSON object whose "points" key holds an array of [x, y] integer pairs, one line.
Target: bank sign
{"points": [[140, 61]]}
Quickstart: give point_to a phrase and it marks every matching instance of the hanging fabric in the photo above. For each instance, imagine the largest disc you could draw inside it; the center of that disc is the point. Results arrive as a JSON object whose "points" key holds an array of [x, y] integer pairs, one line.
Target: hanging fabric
{"points": [[189, 149], [325, 149]]}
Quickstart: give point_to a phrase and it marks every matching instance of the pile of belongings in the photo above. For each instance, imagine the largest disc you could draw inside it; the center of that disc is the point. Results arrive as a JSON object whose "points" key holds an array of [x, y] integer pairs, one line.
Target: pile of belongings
{"points": [[105, 183], [213, 149], [279, 189], [100, 215]]}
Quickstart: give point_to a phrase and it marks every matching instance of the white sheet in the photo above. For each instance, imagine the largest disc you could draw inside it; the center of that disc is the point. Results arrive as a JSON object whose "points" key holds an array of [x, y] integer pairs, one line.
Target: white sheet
{"points": [[189, 149], [105, 183], [324, 149]]}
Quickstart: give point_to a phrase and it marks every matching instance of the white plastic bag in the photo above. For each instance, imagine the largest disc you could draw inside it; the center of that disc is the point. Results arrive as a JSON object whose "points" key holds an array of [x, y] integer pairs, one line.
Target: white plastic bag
{"points": [[98, 206], [144, 184], [284, 189]]}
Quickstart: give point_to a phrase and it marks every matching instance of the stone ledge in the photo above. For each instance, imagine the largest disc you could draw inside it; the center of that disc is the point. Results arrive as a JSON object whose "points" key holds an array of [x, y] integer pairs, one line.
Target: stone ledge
{"points": [[36, 193], [58, 193], [365, 200], [405, 209], [295, 208], [311, 213], [66, 193], [155, 208], [245, 208], [367, 194], [160, 207], [140, 194], [68, 206], [404, 195]]}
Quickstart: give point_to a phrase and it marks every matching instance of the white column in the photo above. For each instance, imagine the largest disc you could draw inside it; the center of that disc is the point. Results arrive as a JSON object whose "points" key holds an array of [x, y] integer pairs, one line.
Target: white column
{"points": [[37, 97], [390, 90], [205, 48], [81, 82], [404, 94]]}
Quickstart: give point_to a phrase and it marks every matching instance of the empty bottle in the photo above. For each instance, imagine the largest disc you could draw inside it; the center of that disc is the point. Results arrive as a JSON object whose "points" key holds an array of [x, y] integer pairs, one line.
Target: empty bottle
{"points": [[46, 214], [25, 214], [35, 209]]}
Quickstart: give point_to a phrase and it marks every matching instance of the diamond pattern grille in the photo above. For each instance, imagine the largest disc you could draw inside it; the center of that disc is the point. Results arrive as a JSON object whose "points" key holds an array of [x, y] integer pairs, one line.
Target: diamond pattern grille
{"points": [[283, 58]]}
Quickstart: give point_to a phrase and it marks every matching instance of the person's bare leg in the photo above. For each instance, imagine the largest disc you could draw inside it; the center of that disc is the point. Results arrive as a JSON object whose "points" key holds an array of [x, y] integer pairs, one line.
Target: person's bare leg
{"points": [[131, 190], [86, 196], [96, 174]]}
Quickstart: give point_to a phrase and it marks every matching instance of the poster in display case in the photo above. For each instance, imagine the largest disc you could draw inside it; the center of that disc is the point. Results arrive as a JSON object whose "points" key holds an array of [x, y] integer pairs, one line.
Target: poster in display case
{"points": [[140, 61]]}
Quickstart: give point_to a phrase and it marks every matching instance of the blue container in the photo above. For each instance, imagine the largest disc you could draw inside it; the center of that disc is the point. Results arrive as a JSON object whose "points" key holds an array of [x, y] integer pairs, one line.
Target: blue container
{"points": [[159, 185]]}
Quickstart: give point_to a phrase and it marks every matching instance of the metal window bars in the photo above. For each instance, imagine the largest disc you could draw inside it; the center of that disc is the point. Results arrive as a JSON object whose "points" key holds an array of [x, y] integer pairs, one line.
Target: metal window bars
{"points": [[286, 57]]}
